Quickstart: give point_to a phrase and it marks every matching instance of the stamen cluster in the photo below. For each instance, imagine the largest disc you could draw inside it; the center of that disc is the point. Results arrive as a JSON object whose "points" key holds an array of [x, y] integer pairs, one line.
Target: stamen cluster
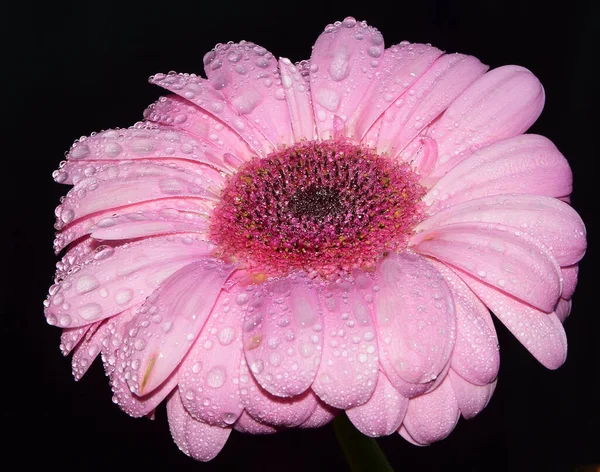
{"points": [[325, 207]]}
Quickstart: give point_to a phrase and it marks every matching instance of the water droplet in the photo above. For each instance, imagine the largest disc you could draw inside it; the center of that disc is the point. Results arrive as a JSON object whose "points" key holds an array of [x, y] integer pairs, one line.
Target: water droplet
{"points": [[86, 284], [234, 56], [275, 359], [209, 57], [90, 311], [349, 22], [286, 81], [123, 296], [262, 62], [340, 65], [103, 252], [257, 366], [247, 101], [229, 418], [306, 350], [375, 51], [328, 99], [67, 216], [226, 335], [112, 149], [377, 38], [216, 377], [80, 151], [59, 176]]}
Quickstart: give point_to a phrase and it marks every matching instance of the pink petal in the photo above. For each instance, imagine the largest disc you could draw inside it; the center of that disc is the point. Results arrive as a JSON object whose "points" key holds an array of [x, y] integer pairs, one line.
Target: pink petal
{"points": [[528, 164], [118, 186], [299, 102], [541, 333], [247, 424], [216, 140], [412, 390], [71, 337], [135, 143], [169, 321], [202, 93], [132, 404], [178, 416], [503, 103], [247, 75], [208, 378], [110, 280], [415, 320], [344, 62], [86, 351], [140, 220], [322, 415], [275, 411], [196, 439], [383, 413], [158, 225], [569, 275], [471, 399], [115, 363], [433, 416], [499, 256], [349, 365], [77, 252], [548, 220], [563, 309], [404, 433], [205, 441], [476, 351], [426, 99], [282, 335], [401, 66]]}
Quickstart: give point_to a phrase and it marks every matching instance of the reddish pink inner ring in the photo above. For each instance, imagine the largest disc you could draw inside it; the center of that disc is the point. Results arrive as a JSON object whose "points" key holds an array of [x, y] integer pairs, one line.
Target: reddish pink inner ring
{"points": [[317, 206]]}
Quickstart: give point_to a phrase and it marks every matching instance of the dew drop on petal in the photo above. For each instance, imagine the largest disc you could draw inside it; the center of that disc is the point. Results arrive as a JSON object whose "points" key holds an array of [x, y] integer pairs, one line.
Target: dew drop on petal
{"points": [[216, 377]]}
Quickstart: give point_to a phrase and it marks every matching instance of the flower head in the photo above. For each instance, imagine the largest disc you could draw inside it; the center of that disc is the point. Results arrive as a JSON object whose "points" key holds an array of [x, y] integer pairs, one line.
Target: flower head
{"points": [[277, 243]]}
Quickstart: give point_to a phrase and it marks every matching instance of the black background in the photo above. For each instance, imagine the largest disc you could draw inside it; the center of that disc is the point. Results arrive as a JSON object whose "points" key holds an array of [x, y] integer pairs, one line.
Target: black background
{"points": [[74, 68]]}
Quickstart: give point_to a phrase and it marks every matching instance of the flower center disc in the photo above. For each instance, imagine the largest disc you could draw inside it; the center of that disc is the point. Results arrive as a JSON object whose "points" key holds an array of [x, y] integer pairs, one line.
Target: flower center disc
{"points": [[325, 207]]}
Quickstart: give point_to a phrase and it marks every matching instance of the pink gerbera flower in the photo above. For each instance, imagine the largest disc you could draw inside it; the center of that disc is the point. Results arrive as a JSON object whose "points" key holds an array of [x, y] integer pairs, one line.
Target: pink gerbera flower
{"points": [[278, 242]]}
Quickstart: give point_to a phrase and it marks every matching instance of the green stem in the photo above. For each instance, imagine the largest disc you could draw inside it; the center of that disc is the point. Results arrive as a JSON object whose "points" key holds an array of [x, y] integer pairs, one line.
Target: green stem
{"points": [[362, 452]]}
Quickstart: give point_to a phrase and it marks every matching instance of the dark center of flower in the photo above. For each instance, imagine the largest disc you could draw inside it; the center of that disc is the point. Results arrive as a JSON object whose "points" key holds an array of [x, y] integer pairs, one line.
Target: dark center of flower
{"points": [[315, 203], [326, 207]]}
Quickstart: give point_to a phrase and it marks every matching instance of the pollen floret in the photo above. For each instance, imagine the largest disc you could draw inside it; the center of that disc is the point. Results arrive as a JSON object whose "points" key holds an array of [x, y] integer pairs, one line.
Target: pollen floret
{"points": [[323, 206]]}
